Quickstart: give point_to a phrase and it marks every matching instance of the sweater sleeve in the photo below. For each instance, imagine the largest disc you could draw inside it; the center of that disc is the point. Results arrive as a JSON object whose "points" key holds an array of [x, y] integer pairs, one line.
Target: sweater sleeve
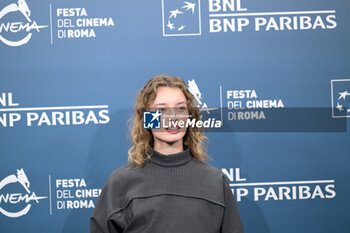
{"points": [[231, 222], [106, 205]]}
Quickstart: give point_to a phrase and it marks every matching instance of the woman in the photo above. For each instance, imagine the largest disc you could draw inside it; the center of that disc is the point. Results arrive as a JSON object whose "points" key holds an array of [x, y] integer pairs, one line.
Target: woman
{"points": [[166, 186]]}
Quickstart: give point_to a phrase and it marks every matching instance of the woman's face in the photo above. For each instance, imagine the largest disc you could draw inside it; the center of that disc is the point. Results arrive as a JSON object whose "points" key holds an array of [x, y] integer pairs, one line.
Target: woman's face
{"points": [[173, 105]]}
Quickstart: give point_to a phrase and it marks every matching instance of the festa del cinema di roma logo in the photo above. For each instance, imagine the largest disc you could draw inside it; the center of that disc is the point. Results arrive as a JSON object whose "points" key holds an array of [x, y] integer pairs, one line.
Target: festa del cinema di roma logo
{"points": [[17, 198], [17, 27]]}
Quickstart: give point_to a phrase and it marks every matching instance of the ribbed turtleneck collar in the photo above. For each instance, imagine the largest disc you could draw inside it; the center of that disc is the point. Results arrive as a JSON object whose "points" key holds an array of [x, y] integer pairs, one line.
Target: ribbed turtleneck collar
{"points": [[171, 160]]}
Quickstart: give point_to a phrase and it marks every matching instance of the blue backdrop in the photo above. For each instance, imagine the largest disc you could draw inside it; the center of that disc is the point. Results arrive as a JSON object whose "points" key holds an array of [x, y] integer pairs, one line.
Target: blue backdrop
{"points": [[70, 72]]}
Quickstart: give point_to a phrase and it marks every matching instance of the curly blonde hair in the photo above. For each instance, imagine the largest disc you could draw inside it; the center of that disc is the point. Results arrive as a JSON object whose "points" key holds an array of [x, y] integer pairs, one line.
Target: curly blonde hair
{"points": [[142, 139]]}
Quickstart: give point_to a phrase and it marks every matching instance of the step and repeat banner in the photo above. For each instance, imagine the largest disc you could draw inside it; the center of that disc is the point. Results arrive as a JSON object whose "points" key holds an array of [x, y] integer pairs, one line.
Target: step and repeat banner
{"points": [[276, 73]]}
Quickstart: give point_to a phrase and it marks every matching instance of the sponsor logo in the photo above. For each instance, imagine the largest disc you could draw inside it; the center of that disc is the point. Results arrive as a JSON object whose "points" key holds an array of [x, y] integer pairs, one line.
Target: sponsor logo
{"points": [[233, 16], [278, 190], [340, 91], [17, 198], [181, 18], [11, 114], [151, 120], [17, 27]]}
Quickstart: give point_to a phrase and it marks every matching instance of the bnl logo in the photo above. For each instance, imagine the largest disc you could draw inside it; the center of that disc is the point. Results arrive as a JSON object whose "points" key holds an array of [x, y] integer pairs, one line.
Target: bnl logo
{"points": [[340, 89], [181, 18], [151, 120]]}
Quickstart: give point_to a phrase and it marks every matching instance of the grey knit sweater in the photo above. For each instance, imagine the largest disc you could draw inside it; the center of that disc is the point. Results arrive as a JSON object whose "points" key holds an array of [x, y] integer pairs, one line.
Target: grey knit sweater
{"points": [[174, 193]]}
